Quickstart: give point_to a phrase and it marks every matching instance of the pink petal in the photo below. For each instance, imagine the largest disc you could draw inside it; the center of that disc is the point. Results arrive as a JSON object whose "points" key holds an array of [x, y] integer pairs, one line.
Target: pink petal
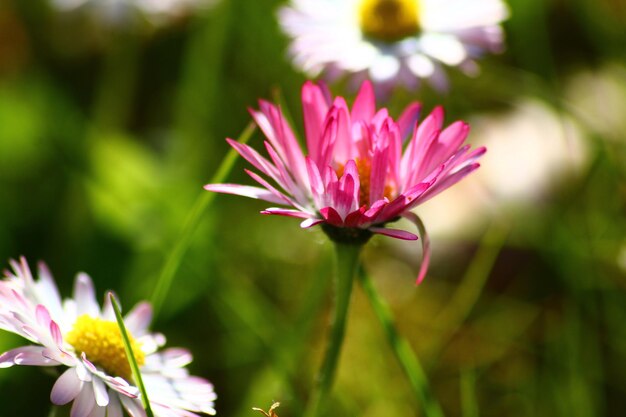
{"points": [[252, 156], [317, 185], [292, 153], [364, 106], [379, 118], [66, 387], [378, 174], [331, 216], [328, 141], [310, 223], [355, 219], [408, 120], [453, 136], [402, 203], [344, 148], [285, 199], [245, 191], [284, 178], [411, 169], [424, 136], [345, 193], [314, 109], [375, 209], [398, 234], [425, 245], [445, 146], [286, 212], [448, 182]]}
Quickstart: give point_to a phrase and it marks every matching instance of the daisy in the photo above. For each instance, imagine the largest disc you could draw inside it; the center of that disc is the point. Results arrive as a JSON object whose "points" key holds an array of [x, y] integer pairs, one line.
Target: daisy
{"points": [[392, 41], [85, 339], [355, 177]]}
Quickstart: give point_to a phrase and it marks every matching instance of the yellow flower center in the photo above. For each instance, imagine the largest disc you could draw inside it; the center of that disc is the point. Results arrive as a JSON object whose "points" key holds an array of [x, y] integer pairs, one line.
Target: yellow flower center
{"points": [[389, 20], [101, 341], [364, 169]]}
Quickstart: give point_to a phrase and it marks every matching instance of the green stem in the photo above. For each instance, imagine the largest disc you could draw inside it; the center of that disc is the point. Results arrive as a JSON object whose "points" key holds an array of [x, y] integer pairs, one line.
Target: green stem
{"points": [[54, 410], [469, 403], [402, 350], [205, 198], [131, 356], [347, 258]]}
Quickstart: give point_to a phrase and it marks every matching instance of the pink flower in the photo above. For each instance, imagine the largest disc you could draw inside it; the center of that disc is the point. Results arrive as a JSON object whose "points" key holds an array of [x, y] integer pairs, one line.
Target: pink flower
{"points": [[355, 177]]}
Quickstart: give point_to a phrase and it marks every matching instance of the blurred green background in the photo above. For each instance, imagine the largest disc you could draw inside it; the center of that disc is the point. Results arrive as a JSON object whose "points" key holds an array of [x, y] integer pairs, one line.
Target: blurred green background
{"points": [[109, 129]]}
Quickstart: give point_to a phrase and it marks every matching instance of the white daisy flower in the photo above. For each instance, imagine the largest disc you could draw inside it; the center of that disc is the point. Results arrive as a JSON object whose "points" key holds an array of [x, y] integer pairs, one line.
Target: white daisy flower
{"points": [[392, 41], [78, 334]]}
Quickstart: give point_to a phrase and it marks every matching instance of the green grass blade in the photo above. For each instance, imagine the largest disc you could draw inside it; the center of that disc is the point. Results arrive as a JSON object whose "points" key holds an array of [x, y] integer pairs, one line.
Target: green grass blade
{"points": [[402, 350], [471, 285], [131, 356], [469, 402], [203, 201]]}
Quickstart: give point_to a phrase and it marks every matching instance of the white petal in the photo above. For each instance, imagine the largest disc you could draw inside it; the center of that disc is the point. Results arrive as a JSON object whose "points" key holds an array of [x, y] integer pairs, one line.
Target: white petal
{"points": [[445, 48], [66, 387], [138, 319], [26, 355], [100, 392], [385, 67], [48, 292], [98, 411], [133, 407], [420, 65], [82, 372], [114, 409], [84, 403], [85, 297]]}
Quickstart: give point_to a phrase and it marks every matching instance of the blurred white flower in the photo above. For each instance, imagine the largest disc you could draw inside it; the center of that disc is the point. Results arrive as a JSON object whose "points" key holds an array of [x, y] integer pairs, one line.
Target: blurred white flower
{"points": [[392, 41], [530, 149], [598, 99], [120, 11]]}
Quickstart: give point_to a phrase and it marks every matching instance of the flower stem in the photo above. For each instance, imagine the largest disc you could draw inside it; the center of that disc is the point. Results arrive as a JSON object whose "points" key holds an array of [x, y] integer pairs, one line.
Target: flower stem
{"points": [[401, 349], [131, 356], [347, 258]]}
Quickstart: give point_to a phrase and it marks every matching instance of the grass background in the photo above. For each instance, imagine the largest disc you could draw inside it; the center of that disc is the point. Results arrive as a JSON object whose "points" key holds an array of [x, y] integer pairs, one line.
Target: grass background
{"points": [[107, 134]]}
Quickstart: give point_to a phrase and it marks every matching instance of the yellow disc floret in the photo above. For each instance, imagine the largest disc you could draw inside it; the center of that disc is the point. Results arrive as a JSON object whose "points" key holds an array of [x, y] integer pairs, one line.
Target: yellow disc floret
{"points": [[389, 20], [101, 341], [364, 169]]}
